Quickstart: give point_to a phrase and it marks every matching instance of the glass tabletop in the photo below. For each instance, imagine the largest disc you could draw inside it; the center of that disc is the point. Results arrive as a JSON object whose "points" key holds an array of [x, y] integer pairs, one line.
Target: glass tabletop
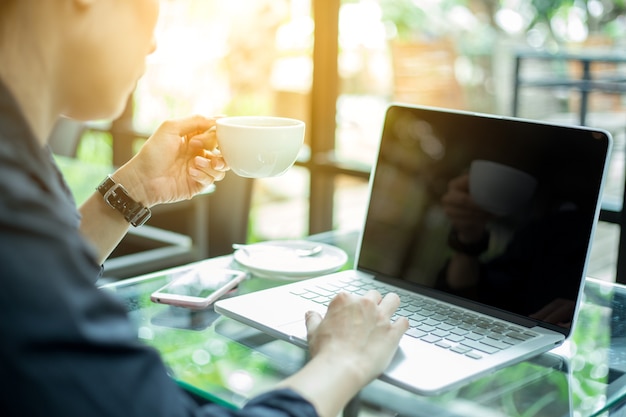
{"points": [[226, 362]]}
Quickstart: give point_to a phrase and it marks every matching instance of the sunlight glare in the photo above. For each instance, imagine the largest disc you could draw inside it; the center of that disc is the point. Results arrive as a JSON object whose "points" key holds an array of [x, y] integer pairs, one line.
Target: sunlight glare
{"points": [[240, 381], [510, 21]]}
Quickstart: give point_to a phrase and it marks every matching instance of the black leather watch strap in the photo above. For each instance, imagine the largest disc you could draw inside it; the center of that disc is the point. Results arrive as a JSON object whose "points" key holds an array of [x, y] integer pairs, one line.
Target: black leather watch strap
{"points": [[117, 197]]}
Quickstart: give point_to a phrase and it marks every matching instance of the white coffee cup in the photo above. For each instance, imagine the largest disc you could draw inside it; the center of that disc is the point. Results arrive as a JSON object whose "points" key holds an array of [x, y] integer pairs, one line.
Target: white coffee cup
{"points": [[500, 189], [259, 146]]}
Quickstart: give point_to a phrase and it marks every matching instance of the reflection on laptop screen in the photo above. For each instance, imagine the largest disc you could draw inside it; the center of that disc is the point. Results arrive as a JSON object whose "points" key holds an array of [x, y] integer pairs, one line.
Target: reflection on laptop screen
{"points": [[498, 211]]}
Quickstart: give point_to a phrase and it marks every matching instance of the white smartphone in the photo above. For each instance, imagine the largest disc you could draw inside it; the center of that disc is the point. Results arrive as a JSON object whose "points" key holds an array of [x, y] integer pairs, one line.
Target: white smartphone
{"points": [[199, 287]]}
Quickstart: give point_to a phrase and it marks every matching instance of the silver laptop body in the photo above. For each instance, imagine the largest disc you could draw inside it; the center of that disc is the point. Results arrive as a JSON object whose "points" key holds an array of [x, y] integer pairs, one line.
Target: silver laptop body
{"points": [[531, 265]]}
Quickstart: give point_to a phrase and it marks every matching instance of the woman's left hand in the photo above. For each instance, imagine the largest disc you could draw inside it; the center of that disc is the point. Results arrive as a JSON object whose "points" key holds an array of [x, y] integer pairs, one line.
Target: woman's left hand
{"points": [[177, 162]]}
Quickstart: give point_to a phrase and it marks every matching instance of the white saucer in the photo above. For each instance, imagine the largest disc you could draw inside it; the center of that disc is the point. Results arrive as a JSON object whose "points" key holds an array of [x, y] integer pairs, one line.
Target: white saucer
{"points": [[280, 259]]}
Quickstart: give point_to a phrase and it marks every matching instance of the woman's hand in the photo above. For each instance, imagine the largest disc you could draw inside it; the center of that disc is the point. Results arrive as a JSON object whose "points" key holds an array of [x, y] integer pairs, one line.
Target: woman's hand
{"points": [[359, 331], [177, 162], [350, 346]]}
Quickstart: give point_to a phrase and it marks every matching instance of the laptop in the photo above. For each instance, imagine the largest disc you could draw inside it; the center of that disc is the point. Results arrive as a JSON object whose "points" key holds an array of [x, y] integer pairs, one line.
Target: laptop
{"points": [[474, 306]]}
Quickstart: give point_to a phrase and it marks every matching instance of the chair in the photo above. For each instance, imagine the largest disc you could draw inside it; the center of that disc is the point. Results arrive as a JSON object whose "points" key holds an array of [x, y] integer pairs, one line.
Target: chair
{"points": [[223, 213], [66, 136], [229, 213]]}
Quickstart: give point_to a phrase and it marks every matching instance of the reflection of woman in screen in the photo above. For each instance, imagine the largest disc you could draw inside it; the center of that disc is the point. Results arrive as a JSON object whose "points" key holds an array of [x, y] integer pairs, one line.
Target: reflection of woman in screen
{"points": [[544, 252]]}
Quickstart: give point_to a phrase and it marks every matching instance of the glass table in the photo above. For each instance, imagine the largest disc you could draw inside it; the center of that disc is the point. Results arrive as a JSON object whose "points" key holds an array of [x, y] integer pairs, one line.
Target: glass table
{"points": [[220, 360]]}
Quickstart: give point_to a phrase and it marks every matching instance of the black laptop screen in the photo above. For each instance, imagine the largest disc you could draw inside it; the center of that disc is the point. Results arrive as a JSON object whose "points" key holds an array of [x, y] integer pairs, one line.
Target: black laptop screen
{"points": [[496, 210]]}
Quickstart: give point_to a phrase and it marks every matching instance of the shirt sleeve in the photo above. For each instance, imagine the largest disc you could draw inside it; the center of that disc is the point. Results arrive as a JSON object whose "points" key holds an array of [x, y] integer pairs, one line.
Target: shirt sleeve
{"points": [[277, 403]]}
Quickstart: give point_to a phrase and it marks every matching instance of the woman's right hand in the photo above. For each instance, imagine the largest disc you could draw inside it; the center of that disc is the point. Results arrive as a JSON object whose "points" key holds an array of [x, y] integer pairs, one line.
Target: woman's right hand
{"points": [[359, 330], [350, 346]]}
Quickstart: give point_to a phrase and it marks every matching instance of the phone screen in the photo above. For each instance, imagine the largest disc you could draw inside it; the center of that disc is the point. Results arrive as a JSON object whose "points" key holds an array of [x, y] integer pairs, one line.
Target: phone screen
{"points": [[198, 283]]}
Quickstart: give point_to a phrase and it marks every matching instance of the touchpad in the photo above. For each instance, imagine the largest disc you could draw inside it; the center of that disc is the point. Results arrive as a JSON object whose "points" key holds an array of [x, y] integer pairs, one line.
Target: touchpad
{"points": [[297, 332]]}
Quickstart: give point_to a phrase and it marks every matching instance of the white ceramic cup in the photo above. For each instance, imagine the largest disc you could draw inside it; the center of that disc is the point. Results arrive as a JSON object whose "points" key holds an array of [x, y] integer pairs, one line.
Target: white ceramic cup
{"points": [[259, 146], [500, 189]]}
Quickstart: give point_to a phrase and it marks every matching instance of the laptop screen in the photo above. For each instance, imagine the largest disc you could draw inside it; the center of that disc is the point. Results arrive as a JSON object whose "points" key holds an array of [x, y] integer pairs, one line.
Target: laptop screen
{"points": [[495, 210]]}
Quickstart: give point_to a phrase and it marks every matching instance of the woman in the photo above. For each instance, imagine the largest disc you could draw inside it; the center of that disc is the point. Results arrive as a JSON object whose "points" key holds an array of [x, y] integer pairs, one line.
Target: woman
{"points": [[67, 348]]}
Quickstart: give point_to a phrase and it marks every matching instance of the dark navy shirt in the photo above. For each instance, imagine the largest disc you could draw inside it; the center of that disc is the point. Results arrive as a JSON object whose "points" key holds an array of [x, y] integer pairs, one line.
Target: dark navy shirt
{"points": [[66, 347]]}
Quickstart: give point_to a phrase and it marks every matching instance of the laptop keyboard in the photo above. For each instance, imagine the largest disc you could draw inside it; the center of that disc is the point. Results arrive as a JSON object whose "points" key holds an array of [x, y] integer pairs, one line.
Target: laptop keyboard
{"points": [[448, 327]]}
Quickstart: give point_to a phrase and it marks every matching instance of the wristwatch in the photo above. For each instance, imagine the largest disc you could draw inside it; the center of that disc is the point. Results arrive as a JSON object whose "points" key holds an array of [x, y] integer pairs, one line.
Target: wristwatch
{"points": [[117, 197], [471, 249]]}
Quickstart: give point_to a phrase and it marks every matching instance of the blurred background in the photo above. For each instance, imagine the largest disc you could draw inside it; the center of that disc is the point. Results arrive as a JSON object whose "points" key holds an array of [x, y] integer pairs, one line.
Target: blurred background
{"points": [[338, 64]]}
